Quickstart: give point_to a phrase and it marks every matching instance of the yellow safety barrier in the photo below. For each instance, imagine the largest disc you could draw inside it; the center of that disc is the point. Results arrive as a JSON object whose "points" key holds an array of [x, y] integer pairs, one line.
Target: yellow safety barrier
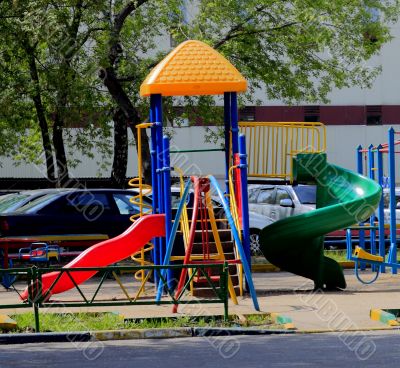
{"points": [[271, 146]]}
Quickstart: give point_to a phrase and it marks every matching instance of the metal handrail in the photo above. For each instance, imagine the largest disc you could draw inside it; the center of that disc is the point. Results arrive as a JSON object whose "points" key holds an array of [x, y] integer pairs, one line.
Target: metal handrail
{"points": [[39, 299]]}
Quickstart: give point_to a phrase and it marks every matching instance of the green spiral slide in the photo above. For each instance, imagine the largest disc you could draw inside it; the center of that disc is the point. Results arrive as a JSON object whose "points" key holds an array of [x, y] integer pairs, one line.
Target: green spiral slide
{"points": [[344, 198]]}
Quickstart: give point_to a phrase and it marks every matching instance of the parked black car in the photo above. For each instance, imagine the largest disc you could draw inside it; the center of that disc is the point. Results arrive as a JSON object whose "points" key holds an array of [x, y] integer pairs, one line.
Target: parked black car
{"points": [[83, 211]]}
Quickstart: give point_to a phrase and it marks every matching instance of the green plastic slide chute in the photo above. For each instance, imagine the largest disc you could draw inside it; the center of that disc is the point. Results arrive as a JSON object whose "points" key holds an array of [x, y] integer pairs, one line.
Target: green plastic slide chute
{"points": [[344, 198]]}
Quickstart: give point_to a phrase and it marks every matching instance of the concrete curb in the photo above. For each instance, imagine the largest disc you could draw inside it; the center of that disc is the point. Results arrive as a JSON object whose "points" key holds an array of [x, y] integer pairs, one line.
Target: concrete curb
{"points": [[76, 337], [150, 333], [31, 338], [235, 331], [285, 326], [383, 316]]}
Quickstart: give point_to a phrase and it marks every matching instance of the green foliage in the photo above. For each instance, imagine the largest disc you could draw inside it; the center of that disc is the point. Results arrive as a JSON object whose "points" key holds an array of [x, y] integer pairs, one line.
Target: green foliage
{"points": [[295, 51], [298, 50]]}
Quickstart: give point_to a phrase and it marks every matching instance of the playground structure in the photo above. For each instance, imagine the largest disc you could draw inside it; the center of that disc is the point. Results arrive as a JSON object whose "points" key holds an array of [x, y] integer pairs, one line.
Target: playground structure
{"points": [[181, 73], [291, 152], [371, 163], [213, 76]]}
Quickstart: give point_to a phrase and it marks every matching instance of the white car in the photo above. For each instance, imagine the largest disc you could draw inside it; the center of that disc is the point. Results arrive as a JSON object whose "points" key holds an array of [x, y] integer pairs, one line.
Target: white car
{"points": [[386, 203], [269, 203]]}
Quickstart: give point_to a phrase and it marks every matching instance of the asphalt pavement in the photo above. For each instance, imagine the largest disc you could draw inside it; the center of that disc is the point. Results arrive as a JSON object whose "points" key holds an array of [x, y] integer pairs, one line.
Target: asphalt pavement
{"points": [[356, 349]]}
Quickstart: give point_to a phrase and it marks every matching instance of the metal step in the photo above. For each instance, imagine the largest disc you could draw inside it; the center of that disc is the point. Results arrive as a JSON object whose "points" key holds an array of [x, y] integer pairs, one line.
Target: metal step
{"points": [[227, 247], [204, 292]]}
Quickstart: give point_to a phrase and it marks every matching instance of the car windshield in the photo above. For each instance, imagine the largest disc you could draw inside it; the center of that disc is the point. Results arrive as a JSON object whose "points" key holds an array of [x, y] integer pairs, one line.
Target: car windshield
{"points": [[9, 201], [37, 203], [307, 194]]}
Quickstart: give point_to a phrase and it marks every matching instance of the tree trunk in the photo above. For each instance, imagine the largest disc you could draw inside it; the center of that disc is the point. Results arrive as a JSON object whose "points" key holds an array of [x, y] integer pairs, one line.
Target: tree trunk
{"points": [[120, 162], [125, 105], [40, 113], [61, 158]]}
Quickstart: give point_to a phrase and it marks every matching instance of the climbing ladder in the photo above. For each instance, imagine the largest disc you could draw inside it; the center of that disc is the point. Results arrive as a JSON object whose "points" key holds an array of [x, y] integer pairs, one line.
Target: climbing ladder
{"points": [[208, 242]]}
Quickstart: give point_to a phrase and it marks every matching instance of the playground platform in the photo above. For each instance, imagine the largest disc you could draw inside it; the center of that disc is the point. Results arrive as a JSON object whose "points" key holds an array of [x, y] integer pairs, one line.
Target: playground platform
{"points": [[279, 292]]}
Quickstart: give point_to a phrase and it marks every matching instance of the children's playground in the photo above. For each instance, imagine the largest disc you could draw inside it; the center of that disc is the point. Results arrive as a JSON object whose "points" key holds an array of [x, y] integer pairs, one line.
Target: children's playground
{"points": [[198, 256]]}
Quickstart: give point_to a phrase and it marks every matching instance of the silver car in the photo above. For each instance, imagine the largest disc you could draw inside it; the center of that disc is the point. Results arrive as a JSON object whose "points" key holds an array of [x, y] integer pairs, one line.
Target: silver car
{"points": [[386, 203], [269, 203]]}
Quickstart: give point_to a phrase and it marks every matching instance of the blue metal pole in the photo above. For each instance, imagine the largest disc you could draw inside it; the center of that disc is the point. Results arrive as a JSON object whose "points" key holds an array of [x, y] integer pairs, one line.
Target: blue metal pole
{"points": [[244, 195], [166, 170], [361, 233], [154, 181], [171, 239], [359, 160], [159, 159], [349, 245], [381, 214], [227, 126], [234, 124], [371, 174], [392, 186]]}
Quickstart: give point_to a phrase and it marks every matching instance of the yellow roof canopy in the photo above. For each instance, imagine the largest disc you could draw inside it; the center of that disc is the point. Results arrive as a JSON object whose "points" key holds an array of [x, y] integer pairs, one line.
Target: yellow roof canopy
{"points": [[193, 68]]}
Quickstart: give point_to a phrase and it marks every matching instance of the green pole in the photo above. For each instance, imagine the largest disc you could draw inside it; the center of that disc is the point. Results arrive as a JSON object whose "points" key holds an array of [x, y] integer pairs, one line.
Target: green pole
{"points": [[35, 295]]}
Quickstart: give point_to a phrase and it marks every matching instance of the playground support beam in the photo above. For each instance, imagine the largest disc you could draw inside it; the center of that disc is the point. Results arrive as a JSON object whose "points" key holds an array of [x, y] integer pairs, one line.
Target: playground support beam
{"points": [[227, 126], [360, 170], [392, 205], [234, 124], [159, 134], [244, 195], [166, 170], [381, 212], [371, 174], [166, 173], [154, 181]]}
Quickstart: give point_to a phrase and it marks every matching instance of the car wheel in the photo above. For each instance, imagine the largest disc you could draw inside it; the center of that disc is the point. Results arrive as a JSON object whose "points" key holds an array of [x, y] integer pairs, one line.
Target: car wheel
{"points": [[255, 242]]}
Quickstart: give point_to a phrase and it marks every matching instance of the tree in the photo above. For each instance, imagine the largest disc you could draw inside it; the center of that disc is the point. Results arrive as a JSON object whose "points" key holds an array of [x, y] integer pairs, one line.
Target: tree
{"points": [[294, 50], [134, 29], [49, 47]]}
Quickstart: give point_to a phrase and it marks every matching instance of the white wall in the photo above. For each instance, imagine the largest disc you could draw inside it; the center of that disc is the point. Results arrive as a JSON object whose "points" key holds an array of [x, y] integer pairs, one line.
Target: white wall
{"points": [[384, 90], [341, 145]]}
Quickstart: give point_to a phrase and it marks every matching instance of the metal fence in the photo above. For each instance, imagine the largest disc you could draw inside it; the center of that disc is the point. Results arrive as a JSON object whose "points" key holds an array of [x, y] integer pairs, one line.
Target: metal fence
{"points": [[39, 298]]}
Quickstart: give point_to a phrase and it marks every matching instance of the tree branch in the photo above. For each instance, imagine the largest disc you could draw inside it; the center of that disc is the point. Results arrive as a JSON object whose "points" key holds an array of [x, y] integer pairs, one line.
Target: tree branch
{"points": [[231, 35], [239, 26], [124, 13]]}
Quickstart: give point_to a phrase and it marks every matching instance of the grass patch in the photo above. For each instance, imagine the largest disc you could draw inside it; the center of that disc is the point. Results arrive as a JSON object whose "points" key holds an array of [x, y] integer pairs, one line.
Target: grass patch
{"points": [[185, 321], [337, 255], [259, 320], [67, 322]]}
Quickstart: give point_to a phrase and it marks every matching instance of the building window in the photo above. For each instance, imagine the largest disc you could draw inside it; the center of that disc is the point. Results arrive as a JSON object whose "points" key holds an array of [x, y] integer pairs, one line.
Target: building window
{"points": [[248, 113], [311, 114], [373, 115]]}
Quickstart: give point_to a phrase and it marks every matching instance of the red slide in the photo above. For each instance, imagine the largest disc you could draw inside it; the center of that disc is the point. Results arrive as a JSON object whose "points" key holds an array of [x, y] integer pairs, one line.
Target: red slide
{"points": [[105, 253]]}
